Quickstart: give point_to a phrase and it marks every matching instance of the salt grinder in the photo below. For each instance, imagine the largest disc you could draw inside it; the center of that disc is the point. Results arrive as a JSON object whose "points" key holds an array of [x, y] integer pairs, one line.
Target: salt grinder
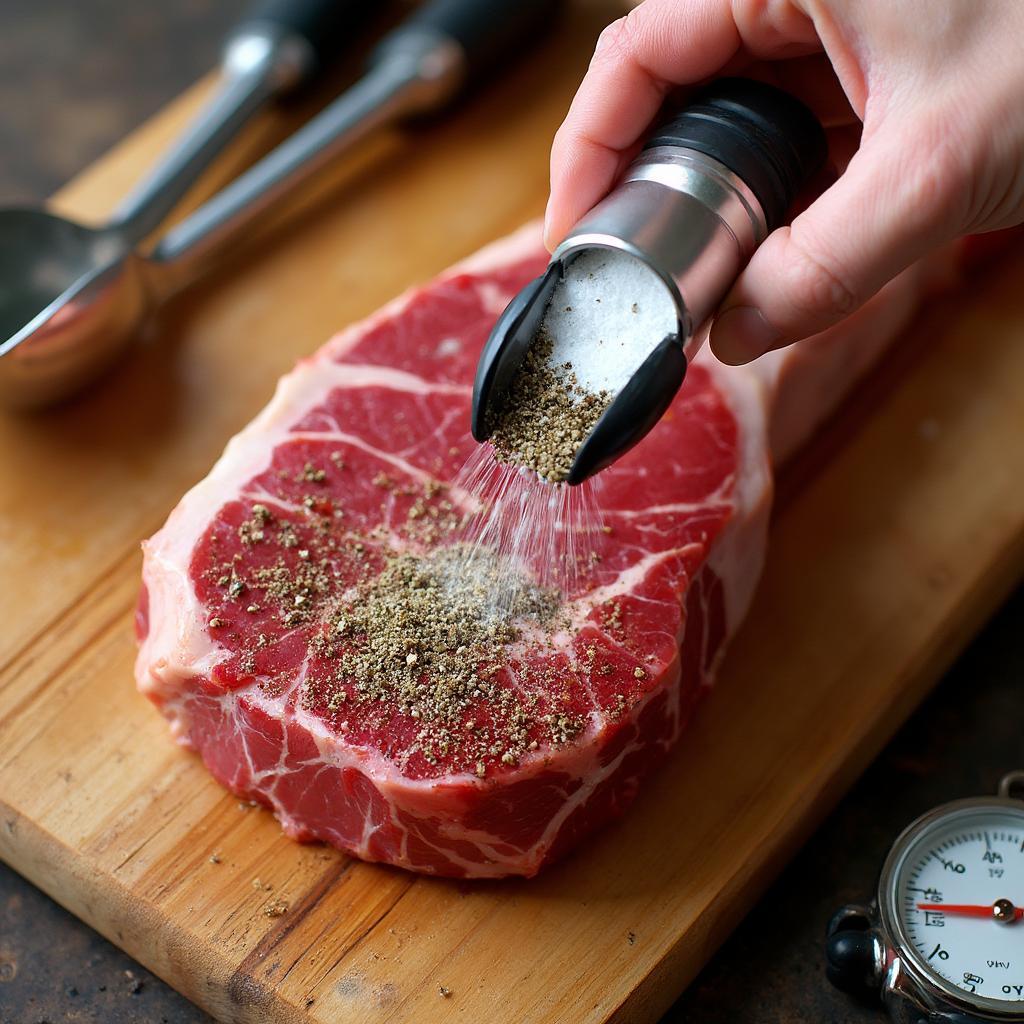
{"points": [[707, 188]]}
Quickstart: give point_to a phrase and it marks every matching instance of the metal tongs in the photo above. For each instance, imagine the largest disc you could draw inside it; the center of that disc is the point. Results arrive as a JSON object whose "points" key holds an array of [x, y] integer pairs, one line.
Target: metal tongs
{"points": [[708, 187], [418, 68]]}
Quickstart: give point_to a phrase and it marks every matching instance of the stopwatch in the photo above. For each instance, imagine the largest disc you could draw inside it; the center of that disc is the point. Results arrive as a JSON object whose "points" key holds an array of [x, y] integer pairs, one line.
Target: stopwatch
{"points": [[943, 940]]}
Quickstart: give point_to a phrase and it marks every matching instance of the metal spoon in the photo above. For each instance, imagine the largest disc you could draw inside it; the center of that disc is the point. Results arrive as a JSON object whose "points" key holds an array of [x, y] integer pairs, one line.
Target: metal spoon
{"points": [[51, 267], [419, 67]]}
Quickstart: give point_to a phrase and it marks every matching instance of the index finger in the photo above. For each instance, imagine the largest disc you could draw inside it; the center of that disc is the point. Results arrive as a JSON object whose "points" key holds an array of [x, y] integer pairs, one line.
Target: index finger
{"points": [[659, 45]]}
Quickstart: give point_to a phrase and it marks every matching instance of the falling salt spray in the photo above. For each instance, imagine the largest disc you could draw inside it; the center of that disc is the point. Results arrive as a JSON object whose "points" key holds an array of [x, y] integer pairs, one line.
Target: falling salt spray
{"points": [[542, 532]]}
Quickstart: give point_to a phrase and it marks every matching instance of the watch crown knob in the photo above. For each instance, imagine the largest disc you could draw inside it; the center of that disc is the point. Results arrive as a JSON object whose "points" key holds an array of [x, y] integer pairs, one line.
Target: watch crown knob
{"points": [[851, 957]]}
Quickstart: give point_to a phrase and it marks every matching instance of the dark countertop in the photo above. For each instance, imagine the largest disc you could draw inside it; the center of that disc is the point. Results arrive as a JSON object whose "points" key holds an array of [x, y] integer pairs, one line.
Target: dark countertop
{"points": [[74, 78]]}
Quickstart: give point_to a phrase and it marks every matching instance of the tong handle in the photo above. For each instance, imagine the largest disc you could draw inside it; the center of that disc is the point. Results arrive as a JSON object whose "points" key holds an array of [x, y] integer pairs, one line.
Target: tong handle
{"points": [[417, 69], [325, 25], [277, 46], [487, 31]]}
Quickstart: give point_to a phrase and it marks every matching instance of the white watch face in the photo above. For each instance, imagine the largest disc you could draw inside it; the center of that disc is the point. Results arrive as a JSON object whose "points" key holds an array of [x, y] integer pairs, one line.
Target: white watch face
{"points": [[958, 902]]}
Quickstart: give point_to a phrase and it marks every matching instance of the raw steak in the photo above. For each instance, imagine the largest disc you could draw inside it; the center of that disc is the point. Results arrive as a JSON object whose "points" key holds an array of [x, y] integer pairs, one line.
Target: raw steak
{"points": [[353, 461]]}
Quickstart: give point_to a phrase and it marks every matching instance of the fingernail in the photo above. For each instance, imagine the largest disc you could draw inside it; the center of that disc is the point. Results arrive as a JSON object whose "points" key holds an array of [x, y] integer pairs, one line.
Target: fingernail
{"points": [[741, 334]]}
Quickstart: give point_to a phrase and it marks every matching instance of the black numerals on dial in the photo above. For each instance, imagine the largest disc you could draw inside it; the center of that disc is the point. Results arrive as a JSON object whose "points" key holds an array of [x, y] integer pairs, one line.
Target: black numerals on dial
{"points": [[990, 856], [950, 865], [938, 951]]}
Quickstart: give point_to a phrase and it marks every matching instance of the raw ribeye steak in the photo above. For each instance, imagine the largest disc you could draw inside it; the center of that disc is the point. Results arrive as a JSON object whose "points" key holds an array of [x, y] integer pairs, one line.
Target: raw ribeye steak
{"points": [[263, 591]]}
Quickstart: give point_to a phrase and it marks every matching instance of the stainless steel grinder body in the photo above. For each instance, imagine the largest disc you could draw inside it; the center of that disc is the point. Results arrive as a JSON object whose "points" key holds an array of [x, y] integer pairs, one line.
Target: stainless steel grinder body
{"points": [[689, 218], [708, 187]]}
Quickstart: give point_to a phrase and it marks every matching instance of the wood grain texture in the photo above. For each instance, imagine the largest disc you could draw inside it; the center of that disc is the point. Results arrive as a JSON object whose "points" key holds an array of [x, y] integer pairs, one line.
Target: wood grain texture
{"points": [[882, 563]]}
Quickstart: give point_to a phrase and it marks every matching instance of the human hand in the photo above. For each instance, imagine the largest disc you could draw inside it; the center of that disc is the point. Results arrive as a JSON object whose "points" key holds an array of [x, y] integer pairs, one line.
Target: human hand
{"points": [[923, 104]]}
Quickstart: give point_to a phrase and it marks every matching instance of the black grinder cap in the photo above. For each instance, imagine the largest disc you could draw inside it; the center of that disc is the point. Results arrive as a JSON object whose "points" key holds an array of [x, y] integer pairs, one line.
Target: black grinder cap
{"points": [[763, 135]]}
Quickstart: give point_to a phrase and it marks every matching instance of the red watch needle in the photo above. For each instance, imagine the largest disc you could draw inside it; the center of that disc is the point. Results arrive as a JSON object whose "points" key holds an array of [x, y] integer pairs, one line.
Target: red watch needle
{"points": [[970, 910]]}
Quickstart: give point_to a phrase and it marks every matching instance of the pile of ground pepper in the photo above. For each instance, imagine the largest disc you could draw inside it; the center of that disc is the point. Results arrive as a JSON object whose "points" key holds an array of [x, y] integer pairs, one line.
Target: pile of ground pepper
{"points": [[427, 636], [395, 621], [545, 415]]}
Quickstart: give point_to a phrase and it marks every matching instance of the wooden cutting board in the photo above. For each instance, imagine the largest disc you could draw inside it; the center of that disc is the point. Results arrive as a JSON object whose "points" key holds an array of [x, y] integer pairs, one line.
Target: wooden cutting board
{"points": [[898, 533]]}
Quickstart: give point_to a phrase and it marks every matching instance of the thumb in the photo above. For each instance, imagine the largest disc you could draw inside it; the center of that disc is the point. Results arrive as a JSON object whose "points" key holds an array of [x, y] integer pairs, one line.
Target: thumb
{"points": [[895, 202]]}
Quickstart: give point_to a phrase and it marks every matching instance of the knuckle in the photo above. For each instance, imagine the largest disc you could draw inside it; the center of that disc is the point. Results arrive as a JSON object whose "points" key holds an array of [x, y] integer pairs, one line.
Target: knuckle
{"points": [[816, 284], [616, 40], [934, 167]]}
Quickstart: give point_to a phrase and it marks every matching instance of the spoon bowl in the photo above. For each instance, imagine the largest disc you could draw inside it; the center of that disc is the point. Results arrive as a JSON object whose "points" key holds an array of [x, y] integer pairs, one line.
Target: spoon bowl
{"points": [[42, 256], [88, 295]]}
